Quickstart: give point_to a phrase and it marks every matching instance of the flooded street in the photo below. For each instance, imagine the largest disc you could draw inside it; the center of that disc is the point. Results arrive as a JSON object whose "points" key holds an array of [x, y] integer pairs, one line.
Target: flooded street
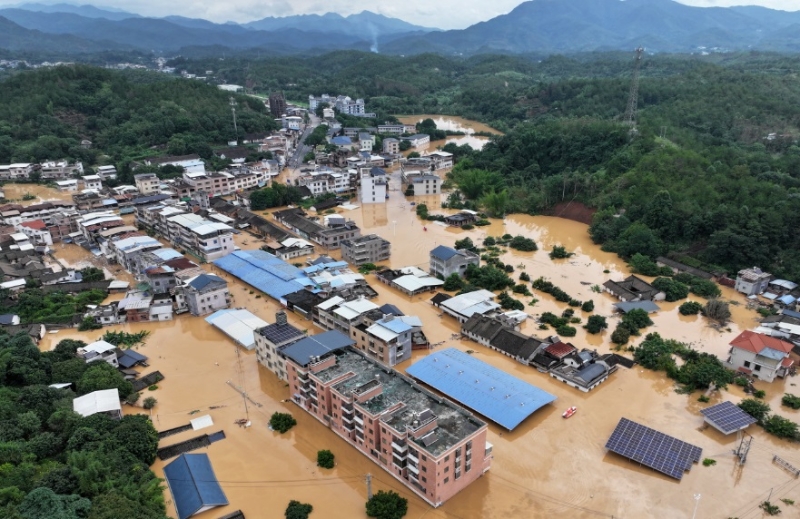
{"points": [[546, 468], [453, 124]]}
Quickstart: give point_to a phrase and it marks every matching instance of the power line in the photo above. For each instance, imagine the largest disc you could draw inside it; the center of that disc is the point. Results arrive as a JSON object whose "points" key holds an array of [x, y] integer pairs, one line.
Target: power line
{"points": [[539, 495]]}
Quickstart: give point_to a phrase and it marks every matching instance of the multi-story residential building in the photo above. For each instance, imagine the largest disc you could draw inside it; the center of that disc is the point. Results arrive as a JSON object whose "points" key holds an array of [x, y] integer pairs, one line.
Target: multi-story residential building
{"points": [[419, 184], [147, 183], [391, 129], [752, 281], [162, 277], [12, 214], [68, 185], [760, 355], [329, 235], [391, 145], [326, 181], [314, 102], [289, 248], [356, 131], [373, 186], [127, 249], [93, 182], [347, 106], [387, 338], [271, 339], [445, 261], [206, 239], [16, 171], [441, 160], [366, 249], [277, 104], [36, 231], [107, 172], [90, 224], [432, 446], [201, 294], [221, 183], [366, 141], [419, 140], [292, 122], [59, 170], [338, 314]]}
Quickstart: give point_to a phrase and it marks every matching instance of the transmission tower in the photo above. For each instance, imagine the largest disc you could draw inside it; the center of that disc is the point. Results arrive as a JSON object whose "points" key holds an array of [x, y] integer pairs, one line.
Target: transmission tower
{"points": [[744, 448], [633, 97], [233, 111]]}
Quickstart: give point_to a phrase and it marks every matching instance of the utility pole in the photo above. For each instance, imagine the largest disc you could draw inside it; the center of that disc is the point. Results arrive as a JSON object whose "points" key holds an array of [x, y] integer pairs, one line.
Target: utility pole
{"points": [[369, 486], [633, 97], [743, 449], [696, 503]]}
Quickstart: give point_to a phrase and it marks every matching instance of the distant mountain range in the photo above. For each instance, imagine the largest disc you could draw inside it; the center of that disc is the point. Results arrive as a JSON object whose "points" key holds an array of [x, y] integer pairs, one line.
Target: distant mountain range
{"points": [[537, 26]]}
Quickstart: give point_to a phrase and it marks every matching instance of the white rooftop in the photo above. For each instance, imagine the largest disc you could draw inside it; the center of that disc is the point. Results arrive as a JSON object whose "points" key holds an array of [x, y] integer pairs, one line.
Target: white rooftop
{"points": [[97, 402], [412, 282], [99, 347], [469, 303]]}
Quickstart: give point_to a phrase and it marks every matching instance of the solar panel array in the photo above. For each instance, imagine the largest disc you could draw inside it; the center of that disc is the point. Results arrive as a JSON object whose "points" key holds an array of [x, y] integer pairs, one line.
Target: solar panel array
{"points": [[727, 417], [653, 449]]}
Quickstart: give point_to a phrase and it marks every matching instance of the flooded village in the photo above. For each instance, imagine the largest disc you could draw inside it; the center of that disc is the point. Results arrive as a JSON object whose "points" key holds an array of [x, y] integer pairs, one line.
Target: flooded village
{"points": [[283, 268]]}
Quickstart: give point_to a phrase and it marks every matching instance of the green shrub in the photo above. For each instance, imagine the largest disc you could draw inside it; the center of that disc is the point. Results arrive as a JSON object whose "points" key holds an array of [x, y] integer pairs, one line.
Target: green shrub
{"points": [[709, 462], [149, 402], [756, 409], [588, 306], [560, 252], [282, 422], [297, 510], [780, 427], [523, 276], [741, 381], [704, 399], [522, 243], [621, 335], [690, 308], [325, 459], [566, 331], [153, 387], [597, 324], [760, 394], [790, 400]]}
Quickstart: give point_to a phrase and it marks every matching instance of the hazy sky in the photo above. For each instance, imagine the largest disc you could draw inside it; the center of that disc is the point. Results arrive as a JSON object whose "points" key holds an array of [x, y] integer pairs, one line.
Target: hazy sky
{"points": [[445, 14]]}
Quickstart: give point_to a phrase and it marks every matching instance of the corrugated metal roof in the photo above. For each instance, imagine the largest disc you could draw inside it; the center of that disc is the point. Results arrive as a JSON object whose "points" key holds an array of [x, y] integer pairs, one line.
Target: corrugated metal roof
{"points": [[489, 391], [97, 402], [193, 484], [316, 345], [443, 253], [239, 325], [647, 306], [262, 270]]}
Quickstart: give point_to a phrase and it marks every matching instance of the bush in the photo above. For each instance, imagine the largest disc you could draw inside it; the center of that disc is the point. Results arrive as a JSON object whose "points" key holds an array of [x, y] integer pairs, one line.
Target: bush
{"points": [[325, 459], [588, 306], [637, 319], [566, 331], [509, 303], [560, 252], [297, 510], [704, 288], [387, 505], [641, 264], [523, 276], [709, 462], [756, 409], [522, 243], [596, 324], [621, 335], [717, 310], [790, 400], [489, 241], [780, 427], [690, 308], [521, 289], [282, 422], [673, 290], [132, 398], [704, 399], [149, 402], [88, 323], [453, 282], [760, 394], [574, 302], [741, 381]]}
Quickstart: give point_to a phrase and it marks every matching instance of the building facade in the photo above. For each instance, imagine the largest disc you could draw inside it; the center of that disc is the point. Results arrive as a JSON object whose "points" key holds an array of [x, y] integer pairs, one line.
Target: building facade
{"points": [[271, 339], [366, 249], [373, 186], [752, 281], [431, 446], [445, 261]]}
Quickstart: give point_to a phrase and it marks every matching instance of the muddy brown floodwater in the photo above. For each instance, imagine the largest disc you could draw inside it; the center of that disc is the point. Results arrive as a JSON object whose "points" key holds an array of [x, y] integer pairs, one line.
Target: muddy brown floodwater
{"points": [[455, 124], [546, 468], [15, 192]]}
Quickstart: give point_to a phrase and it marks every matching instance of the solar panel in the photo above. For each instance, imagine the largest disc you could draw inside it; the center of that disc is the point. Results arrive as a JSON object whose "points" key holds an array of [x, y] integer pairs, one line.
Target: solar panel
{"points": [[727, 417], [280, 333], [653, 449]]}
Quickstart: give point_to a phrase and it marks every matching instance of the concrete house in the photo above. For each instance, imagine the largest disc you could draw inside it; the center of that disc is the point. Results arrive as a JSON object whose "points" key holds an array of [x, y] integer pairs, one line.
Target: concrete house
{"points": [[752, 281], [633, 288], [760, 355], [271, 339], [366, 249], [202, 294], [445, 261]]}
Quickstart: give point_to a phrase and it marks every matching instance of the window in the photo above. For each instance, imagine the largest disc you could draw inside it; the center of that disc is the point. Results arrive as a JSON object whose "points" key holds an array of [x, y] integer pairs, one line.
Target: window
{"points": [[757, 367], [424, 468], [446, 470], [447, 458], [747, 364], [446, 480], [424, 479]]}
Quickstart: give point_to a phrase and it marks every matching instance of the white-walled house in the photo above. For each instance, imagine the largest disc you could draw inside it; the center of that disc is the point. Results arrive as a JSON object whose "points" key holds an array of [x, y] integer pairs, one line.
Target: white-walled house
{"points": [[760, 355]]}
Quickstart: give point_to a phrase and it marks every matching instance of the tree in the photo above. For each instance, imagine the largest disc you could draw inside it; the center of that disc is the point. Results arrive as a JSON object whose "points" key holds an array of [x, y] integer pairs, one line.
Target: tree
{"points": [[620, 335], [387, 505], [325, 459], [755, 408], [89, 323], [566, 331], [298, 510], [282, 422], [465, 244], [717, 310], [636, 319], [641, 264], [673, 290], [92, 274], [43, 503], [66, 349], [780, 427], [474, 183], [453, 283], [413, 155], [522, 243], [560, 252], [596, 324], [703, 371], [100, 375], [654, 353], [588, 306], [690, 308], [149, 402], [495, 202], [69, 370], [136, 434]]}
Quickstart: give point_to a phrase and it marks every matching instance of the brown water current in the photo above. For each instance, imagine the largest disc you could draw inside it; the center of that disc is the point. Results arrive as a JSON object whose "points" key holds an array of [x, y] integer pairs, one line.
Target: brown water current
{"points": [[454, 124], [15, 192], [548, 467]]}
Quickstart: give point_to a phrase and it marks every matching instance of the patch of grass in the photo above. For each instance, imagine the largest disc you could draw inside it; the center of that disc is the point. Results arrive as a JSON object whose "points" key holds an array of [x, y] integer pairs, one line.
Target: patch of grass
{"points": [[709, 462], [153, 387], [704, 399]]}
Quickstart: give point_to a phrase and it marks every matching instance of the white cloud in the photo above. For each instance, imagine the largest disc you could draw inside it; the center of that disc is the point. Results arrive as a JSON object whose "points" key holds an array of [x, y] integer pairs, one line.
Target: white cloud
{"points": [[444, 14]]}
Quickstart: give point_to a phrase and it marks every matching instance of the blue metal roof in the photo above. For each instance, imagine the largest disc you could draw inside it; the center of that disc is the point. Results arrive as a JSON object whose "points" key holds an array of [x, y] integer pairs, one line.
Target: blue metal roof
{"points": [[396, 325], [203, 280], [129, 358], [193, 484], [391, 309], [167, 254], [316, 345], [791, 313], [443, 253], [266, 272], [487, 390], [787, 299], [341, 141]]}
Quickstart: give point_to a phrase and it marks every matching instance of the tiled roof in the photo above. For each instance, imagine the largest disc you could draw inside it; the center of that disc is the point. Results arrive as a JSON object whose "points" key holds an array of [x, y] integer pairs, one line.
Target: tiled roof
{"points": [[756, 342], [560, 349]]}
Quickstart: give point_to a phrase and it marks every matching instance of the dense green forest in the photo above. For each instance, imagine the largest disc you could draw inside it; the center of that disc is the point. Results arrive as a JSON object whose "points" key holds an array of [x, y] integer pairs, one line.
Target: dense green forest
{"points": [[45, 114], [56, 464]]}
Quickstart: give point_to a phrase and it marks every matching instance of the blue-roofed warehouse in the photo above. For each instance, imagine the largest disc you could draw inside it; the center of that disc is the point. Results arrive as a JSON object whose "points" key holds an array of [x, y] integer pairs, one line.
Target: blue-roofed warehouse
{"points": [[193, 484], [263, 271], [495, 394]]}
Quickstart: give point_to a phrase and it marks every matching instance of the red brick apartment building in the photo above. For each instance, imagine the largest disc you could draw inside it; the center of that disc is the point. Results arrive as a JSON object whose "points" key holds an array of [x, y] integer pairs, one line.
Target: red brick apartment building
{"points": [[425, 441]]}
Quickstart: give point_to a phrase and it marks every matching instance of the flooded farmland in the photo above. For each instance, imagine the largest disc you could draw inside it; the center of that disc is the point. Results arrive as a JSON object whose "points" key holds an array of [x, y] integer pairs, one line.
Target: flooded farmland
{"points": [[454, 124]]}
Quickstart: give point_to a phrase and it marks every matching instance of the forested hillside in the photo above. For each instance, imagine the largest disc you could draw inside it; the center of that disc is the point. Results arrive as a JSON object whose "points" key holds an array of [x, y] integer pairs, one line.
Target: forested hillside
{"points": [[45, 114]]}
